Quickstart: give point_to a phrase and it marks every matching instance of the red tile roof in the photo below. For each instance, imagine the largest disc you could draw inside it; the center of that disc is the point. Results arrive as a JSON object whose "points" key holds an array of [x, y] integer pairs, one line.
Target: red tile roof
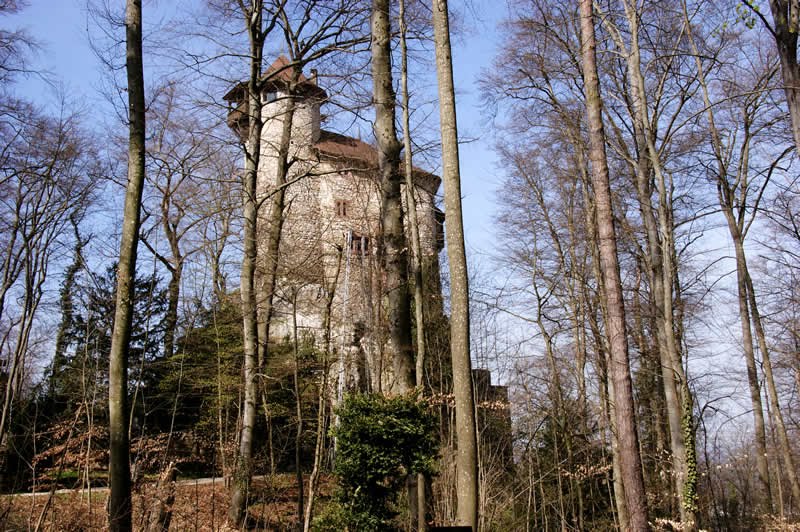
{"points": [[278, 75], [338, 147]]}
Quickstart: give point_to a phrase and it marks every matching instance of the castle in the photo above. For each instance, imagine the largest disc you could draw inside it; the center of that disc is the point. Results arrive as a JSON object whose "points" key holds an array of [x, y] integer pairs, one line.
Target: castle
{"points": [[331, 225], [329, 262]]}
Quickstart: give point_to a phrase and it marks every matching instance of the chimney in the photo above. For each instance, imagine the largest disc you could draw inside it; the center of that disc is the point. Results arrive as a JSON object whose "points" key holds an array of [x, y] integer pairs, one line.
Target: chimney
{"points": [[313, 76]]}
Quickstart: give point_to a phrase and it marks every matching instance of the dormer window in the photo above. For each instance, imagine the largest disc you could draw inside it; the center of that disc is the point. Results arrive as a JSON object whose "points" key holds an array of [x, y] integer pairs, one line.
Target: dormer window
{"points": [[342, 208], [270, 96]]}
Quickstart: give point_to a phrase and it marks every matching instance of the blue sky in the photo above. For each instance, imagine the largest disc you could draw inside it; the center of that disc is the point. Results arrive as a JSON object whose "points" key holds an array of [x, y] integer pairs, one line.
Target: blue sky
{"points": [[62, 27]]}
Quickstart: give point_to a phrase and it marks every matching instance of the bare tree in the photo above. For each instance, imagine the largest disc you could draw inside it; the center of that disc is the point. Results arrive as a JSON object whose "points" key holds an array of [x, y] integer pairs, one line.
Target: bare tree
{"points": [[740, 192], [416, 247], [466, 429], [253, 16], [625, 411], [119, 507], [48, 167]]}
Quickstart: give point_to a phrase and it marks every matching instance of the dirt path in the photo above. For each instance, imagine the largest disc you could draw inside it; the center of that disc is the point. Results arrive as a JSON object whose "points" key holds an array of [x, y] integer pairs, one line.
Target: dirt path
{"points": [[103, 489]]}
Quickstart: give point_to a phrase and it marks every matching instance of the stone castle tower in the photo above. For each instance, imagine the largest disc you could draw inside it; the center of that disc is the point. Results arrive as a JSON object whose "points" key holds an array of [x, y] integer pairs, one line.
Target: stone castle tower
{"points": [[329, 259]]}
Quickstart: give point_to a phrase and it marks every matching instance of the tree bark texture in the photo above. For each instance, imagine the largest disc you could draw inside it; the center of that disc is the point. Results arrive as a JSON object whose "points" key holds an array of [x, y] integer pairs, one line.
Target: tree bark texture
{"points": [[625, 412], [466, 432], [119, 476], [785, 33], [395, 250], [762, 465]]}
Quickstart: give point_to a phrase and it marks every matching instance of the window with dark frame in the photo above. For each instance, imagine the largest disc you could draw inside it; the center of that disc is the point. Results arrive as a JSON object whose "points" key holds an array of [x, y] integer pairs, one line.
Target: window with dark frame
{"points": [[359, 244], [341, 208]]}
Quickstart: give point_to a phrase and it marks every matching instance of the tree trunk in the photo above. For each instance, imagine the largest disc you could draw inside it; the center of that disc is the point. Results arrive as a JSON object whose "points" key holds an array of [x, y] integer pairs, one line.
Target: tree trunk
{"points": [[395, 251], [161, 511], [243, 474], [660, 238], [267, 273], [625, 412], [466, 431], [298, 438], [419, 282], [319, 448], [727, 202], [785, 33], [762, 464], [772, 393], [119, 476]]}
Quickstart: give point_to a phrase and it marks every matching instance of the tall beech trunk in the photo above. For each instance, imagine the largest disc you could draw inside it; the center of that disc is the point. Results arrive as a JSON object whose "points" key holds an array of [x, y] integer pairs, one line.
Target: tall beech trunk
{"points": [[772, 393], [395, 251], [762, 464], [466, 431], [416, 248], [736, 227], [625, 412], [662, 273], [119, 474], [785, 15], [603, 356], [240, 486]]}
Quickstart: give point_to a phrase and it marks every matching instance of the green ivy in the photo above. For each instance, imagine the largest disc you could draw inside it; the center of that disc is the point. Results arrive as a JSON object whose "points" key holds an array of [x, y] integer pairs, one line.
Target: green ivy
{"points": [[379, 442], [690, 484]]}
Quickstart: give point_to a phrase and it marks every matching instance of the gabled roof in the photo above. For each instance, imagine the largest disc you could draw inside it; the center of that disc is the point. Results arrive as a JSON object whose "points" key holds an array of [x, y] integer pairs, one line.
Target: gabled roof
{"points": [[281, 69], [338, 146], [341, 148]]}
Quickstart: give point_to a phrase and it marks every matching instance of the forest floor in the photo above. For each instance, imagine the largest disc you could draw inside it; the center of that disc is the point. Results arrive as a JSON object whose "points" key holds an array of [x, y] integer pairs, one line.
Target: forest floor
{"points": [[200, 505]]}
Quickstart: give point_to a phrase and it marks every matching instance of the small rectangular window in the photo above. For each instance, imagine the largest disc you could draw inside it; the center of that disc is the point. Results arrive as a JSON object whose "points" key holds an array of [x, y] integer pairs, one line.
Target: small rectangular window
{"points": [[271, 96], [359, 244], [341, 208]]}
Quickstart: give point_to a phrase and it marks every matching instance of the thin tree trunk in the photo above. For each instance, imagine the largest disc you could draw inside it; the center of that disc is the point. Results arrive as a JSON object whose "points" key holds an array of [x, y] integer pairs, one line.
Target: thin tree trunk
{"points": [[298, 438], [243, 474], [772, 393], [630, 461], [663, 272], [119, 504], [762, 464], [419, 282], [736, 229], [319, 448], [268, 275], [466, 429]]}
